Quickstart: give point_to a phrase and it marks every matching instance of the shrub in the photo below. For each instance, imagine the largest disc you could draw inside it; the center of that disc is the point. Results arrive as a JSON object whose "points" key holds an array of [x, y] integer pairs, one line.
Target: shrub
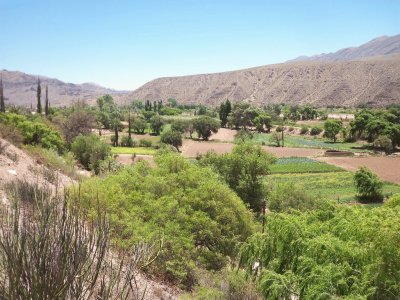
{"points": [[11, 134], [243, 170], [200, 220], [315, 130], [276, 138], [145, 143], [383, 143], [48, 251], [279, 128], [244, 135], [285, 197], [34, 132], [304, 129], [393, 201], [368, 185], [127, 141], [90, 151], [291, 128], [172, 137], [156, 124]]}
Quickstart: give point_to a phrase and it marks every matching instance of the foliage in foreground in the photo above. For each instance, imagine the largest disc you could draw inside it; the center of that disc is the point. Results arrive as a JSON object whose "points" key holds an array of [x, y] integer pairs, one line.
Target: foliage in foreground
{"points": [[47, 251], [201, 221], [368, 185], [342, 252]]}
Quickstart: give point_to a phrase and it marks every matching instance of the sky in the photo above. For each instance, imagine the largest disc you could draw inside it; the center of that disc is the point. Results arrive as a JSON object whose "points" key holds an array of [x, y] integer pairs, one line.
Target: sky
{"points": [[124, 44]]}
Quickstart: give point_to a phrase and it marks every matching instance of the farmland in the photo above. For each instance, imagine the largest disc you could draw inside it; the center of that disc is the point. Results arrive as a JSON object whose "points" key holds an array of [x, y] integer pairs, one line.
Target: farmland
{"points": [[337, 186]]}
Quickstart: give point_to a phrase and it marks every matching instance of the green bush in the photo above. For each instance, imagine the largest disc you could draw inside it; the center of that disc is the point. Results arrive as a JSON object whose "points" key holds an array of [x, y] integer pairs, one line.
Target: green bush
{"points": [[304, 129], [243, 170], [199, 219], [287, 197], [393, 201], [344, 252], [34, 132], [145, 143], [368, 185], [172, 137], [383, 143], [89, 150], [244, 135], [279, 128], [127, 141], [315, 130]]}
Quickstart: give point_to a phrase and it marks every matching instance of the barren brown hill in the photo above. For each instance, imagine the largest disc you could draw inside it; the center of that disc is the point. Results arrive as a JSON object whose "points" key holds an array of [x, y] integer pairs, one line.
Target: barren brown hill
{"points": [[374, 81], [20, 89]]}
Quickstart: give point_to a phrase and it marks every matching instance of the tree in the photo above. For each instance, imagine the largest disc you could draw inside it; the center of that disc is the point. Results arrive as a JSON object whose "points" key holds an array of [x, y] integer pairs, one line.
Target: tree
{"points": [[276, 138], [105, 105], [46, 107], [243, 170], [129, 124], [79, 122], [368, 185], [332, 128], [2, 104], [139, 125], [383, 143], [205, 126], [263, 122], [224, 111], [38, 95], [156, 124], [90, 151], [172, 137], [115, 123]]}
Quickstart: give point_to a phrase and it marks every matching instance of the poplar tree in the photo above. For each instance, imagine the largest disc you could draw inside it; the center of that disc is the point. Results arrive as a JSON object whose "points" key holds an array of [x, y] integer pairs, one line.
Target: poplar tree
{"points": [[46, 108], [2, 105], [39, 104]]}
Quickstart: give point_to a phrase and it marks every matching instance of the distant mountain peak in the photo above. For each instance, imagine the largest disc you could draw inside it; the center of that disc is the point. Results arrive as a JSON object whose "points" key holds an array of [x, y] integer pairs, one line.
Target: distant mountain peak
{"points": [[382, 45]]}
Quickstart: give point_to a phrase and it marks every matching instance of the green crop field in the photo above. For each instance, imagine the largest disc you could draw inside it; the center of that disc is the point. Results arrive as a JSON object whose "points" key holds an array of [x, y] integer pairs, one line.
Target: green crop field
{"points": [[310, 142], [133, 150], [332, 186], [301, 165]]}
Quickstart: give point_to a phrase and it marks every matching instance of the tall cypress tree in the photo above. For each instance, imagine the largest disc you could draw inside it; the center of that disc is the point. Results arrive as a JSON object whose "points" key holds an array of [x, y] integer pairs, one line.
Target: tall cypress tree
{"points": [[2, 105], [46, 107], [129, 124], [39, 93]]}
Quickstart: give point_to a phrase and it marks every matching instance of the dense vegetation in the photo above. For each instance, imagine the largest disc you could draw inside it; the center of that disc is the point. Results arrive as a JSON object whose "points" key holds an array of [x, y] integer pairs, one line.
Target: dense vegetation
{"points": [[336, 252], [199, 219]]}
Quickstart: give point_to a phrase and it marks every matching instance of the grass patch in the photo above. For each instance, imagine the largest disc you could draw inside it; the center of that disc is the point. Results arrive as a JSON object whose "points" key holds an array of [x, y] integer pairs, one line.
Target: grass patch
{"points": [[301, 165], [337, 186], [133, 150], [310, 142]]}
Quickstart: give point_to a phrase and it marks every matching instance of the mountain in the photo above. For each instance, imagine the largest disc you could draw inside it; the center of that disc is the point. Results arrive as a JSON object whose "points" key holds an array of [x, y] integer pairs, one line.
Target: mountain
{"points": [[20, 89], [375, 81], [383, 45]]}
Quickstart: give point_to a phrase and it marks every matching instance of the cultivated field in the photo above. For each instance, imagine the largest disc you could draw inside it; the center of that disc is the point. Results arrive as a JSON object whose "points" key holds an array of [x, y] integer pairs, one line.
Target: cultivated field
{"points": [[388, 168]]}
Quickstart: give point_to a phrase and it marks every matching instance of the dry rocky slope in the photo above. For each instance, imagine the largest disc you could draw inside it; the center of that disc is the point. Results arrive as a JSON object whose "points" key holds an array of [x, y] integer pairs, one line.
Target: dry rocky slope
{"points": [[20, 89], [383, 45], [375, 81]]}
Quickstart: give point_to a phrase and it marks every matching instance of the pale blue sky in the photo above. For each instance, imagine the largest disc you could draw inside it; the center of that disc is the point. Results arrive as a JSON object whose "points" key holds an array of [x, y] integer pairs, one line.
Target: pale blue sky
{"points": [[124, 44]]}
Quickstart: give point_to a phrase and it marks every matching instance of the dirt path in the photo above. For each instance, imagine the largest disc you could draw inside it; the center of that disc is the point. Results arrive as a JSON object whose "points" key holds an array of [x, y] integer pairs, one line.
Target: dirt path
{"points": [[387, 168]]}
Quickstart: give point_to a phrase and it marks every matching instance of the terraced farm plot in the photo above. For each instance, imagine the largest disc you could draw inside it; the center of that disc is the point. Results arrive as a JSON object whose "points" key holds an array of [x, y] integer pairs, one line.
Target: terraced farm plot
{"points": [[310, 142], [301, 165], [337, 186]]}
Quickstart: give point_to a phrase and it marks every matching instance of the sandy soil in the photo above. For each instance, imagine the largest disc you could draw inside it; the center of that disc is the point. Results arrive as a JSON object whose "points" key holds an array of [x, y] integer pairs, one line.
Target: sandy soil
{"points": [[192, 148], [388, 168], [224, 135]]}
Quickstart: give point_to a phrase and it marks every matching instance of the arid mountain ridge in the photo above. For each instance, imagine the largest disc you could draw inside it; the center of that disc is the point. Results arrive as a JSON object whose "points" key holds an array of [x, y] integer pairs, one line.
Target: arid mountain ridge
{"points": [[368, 74]]}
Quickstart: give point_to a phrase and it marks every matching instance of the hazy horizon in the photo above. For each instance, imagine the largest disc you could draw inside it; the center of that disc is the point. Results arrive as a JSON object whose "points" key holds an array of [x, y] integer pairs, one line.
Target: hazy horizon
{"points": [[124, 45]]}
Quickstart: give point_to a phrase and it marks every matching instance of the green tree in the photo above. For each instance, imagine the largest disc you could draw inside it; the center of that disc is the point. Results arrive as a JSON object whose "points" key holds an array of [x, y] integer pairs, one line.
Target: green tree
{"points": [[2, 104], [139, 125], [332, 128], [243, 170], [368, 185], [46, 106], [205, 126], [38, 95], [156, 124], [172, 137], [89, 150], [224, 111]]}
